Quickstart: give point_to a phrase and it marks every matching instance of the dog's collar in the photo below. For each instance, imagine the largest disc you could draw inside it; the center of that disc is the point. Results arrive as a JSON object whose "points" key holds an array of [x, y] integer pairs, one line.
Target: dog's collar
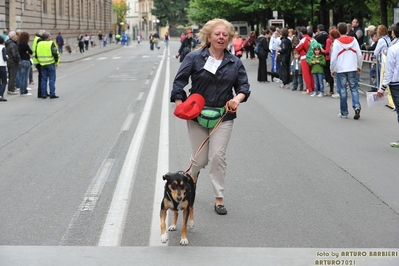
{"points": [[175, 203]]}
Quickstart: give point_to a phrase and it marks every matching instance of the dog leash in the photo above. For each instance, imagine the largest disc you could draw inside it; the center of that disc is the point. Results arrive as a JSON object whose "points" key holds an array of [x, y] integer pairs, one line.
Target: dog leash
{"points": [[201, 147]]}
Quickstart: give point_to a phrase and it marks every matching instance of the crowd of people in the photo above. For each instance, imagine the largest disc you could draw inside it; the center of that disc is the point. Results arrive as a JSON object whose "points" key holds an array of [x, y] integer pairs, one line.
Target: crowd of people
{"points": [[18, 58], [307, 60]]}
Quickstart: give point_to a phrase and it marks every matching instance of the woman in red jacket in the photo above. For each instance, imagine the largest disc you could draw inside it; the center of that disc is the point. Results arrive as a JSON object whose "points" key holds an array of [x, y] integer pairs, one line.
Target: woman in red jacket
{"points": [[302, 48]]}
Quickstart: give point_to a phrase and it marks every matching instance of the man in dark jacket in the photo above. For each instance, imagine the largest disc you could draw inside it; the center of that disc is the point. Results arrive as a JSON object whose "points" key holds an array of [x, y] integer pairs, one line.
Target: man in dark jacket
{"points": [[284, 59], [13, 61], [321, 35], [263, 52], [187, 45]]}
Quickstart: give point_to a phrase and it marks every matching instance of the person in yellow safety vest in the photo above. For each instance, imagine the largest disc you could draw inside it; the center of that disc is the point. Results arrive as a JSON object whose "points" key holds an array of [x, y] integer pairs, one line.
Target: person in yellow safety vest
{"points": [[48, 57], [37, 39]]}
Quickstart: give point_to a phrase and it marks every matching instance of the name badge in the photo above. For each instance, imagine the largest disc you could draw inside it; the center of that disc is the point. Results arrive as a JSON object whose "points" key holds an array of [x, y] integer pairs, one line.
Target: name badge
{"points": [[212, 64]]}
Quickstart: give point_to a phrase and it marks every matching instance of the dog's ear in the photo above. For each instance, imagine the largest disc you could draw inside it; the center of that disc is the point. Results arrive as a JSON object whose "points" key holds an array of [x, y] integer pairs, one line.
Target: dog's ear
{"points": [[166, 176]]}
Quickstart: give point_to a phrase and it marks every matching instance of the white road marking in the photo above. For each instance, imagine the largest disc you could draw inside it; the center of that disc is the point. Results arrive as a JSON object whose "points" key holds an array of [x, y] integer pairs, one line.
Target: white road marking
{"points": [[128, 122], [163, 162], [115, 222], [94, 191], [140, 96], [91, 197]]}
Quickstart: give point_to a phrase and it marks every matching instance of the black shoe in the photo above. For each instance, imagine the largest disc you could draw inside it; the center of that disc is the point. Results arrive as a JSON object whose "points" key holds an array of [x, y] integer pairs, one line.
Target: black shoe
{"points": [[220, 209], [294, 89], [3, 100], [54, 97], [43, 97], [357, 114]]}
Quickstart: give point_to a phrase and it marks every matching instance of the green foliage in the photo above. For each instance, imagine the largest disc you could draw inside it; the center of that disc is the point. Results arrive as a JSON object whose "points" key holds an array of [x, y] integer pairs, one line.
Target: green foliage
{"points": [[257, 12], [120, 8], [172, 12]]}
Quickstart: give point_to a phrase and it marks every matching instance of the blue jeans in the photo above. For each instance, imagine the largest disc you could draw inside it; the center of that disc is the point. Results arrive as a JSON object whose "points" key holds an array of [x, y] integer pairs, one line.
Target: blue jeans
{"points": [[17, 78], [3, 80], [352, 79], [395, 97], [318, 82], [297, 78], [48, 73], [24, 67], [274, 63]]}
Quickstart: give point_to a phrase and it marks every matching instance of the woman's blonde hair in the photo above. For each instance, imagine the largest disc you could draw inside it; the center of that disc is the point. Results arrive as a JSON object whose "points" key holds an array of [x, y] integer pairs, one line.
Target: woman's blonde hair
{"points": [[208, 28]]}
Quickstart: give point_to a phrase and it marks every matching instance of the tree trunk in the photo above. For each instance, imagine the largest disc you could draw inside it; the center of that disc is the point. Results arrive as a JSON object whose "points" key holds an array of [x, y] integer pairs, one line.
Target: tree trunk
{"points": [[384, 13]]}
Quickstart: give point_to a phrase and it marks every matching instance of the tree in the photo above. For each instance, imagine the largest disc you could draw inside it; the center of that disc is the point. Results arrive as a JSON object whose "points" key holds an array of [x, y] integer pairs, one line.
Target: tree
{"points": [[295, 12], [120, 8], [172, 12]]}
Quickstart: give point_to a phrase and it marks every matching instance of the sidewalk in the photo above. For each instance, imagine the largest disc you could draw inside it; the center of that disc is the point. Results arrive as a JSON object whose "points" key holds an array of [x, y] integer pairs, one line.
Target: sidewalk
{"points": [[76, 55]]}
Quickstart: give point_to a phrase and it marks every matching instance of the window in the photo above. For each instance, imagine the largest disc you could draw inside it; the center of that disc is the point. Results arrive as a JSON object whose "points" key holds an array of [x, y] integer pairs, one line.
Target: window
{"points": [[81, 9], [44, 6], [61, 7]]}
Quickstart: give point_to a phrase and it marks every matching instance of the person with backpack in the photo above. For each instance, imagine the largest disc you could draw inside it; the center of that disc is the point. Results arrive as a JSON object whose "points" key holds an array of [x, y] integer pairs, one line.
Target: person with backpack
{"points": [[302, 48], [187, 45], [262, 51], [318, 62], [345, 64]]}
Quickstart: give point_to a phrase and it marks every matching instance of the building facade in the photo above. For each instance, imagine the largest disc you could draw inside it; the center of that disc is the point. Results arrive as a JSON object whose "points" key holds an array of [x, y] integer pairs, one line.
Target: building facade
{"points": [[73, 16], [66, 16]]}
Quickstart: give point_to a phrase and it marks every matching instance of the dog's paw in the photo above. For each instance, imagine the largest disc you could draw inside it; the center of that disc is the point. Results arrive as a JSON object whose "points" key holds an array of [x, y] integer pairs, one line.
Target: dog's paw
{"points": [[183, 241], [191, 224], [172, 227], [164, 238]]}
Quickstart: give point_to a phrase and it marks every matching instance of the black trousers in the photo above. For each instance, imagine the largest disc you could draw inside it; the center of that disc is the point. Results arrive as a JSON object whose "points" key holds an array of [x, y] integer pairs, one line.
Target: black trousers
{"points": [[12, 75], [262, 69], [39, 79]]}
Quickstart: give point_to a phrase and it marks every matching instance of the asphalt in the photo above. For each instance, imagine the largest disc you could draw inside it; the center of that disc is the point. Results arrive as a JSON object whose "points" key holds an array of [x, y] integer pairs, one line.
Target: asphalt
{"points": [[96, 256], [76, 55], [69, 255]]}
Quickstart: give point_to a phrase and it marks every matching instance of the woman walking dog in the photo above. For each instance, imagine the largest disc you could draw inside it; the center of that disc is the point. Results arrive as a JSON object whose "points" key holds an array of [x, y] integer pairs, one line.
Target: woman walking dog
{"points": [[220, 78]]}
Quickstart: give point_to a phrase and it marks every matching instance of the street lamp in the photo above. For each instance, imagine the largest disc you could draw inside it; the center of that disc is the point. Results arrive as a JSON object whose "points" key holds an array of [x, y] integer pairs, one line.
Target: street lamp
{"points": [[120, 27], [156, 22]]}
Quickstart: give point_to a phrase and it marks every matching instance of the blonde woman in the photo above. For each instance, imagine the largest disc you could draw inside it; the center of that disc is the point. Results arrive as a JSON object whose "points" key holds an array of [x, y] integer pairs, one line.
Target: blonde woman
{"points": [[219, 77]]}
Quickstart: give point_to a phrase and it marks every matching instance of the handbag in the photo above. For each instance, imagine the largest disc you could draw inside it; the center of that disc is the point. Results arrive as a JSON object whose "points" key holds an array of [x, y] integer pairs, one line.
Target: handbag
{"points": [[210, 116]]}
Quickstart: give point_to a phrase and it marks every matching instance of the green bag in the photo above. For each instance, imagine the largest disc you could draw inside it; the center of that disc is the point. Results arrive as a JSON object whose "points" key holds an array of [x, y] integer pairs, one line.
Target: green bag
{"points": [[210, 116]]}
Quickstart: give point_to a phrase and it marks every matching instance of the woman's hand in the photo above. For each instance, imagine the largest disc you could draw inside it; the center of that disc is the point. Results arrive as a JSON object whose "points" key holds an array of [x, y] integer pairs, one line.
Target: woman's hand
{"points": [[178, 102], [235, 102]]}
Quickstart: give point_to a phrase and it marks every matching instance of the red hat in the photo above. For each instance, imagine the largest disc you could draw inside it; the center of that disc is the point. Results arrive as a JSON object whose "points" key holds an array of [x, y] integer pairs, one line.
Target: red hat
{"points": [[189, 31], [191, 108]]}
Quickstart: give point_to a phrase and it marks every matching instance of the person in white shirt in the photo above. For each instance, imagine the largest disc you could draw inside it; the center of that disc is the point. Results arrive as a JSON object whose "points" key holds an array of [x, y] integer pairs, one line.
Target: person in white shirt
{"points": [[391, 77], [345, 64]]}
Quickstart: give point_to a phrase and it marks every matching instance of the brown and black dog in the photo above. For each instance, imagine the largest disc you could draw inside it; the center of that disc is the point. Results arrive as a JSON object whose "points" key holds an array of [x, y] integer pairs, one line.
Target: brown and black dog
{"points": [[68, 49], [179, 195]]}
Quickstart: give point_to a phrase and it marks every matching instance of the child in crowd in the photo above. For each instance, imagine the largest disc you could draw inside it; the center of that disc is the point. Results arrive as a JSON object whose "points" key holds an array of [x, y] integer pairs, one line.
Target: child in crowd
{"points": [[296, 72], [318, 61]]}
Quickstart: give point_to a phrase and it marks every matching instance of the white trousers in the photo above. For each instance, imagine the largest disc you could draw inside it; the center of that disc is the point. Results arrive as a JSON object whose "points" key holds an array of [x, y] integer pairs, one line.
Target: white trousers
{"points": [[214, 152]]}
